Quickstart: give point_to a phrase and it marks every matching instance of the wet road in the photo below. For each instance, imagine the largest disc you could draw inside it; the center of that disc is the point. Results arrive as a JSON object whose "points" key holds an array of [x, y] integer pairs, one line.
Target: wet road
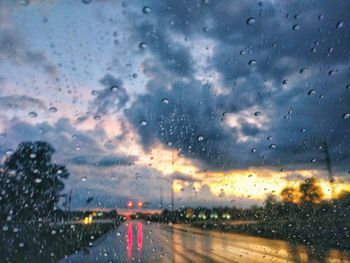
{"points": [[138, 241]]}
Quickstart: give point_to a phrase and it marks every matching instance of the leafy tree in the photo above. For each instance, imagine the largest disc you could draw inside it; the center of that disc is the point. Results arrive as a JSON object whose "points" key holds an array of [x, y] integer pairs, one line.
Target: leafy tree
{"points": [[310, 191], [290, 195], [30, 182]]}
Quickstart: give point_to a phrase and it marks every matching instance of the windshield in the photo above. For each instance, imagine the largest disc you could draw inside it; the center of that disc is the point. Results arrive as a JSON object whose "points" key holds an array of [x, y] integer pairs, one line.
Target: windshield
{"points": [[174, 131]]}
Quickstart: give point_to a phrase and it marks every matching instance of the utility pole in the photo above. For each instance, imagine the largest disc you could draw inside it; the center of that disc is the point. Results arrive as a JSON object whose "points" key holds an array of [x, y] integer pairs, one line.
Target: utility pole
{"points": [[172, 195], [329, 167], [161, 197]]}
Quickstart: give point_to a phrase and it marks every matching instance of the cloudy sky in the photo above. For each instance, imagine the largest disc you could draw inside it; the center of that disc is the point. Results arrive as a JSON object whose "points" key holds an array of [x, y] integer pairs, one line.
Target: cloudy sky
{"points": [[225, 101]]}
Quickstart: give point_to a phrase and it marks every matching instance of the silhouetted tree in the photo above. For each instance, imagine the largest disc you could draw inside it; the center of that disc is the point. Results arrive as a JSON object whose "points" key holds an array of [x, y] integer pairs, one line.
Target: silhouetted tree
{"points": [[310, 191], [290, 195], [30, 182]]}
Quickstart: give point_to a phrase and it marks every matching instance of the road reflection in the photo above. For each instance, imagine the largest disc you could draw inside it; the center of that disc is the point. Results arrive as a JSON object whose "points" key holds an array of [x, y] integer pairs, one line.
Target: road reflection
{"points": [[181, 243]]}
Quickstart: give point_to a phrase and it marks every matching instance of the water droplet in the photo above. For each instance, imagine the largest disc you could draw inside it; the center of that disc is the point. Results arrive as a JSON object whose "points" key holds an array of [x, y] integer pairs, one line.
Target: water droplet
{"points": [[94, 93], [331, 72], [272, 146], [253, 150], [296, 27], [38, 180], [347, 86], [252, 62], [33, 114], [143, 123], [86, 1], [97, 117], [142, 45], [114, 88], [302, 71], [32, 155], [250, 21], [146, 10], [200, 138], [21, 244], [269, 138], [165, 101], [53, 109], [257, 113], [313, 160], [311, 92], [303, 130], [346, 116], [5, 228], [83, 178], [285, 82], [340, 24]]}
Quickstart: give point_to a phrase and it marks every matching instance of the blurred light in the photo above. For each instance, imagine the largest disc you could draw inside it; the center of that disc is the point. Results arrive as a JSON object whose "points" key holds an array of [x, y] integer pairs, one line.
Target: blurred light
{"points": [[139, 204], [130, 204]]}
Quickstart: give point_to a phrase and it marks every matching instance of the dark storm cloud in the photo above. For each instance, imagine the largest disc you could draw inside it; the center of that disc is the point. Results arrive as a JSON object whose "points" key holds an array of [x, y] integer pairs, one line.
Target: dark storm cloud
{"points": [[186, 117], [14, 49], [104, 161], [20, 102], [113, 97], [173, 56], [183, 177], [290, 63], [66, 139]]}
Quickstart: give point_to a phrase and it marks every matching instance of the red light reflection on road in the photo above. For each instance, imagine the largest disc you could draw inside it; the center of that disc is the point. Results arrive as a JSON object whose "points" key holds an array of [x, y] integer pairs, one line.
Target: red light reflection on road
{"points": [[139, 237], [129, 246]]}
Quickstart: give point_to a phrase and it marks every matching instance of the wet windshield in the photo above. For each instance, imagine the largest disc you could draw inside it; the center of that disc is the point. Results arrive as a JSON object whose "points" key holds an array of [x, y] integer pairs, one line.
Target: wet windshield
{"points": [[174, 131]]}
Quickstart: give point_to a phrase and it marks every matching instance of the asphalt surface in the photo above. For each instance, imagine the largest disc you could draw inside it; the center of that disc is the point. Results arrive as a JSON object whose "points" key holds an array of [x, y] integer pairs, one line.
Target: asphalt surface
{"points": [[139, 241]]}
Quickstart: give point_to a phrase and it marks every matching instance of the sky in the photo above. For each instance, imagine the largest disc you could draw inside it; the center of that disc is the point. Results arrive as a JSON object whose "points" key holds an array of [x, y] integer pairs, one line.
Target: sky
{"points": [[226, 102]]}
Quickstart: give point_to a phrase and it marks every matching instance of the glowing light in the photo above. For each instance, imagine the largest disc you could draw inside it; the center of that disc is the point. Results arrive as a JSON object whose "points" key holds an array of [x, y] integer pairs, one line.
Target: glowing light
{"points": [[129, 241], [139, 237], [130, 204], [139, 204]]}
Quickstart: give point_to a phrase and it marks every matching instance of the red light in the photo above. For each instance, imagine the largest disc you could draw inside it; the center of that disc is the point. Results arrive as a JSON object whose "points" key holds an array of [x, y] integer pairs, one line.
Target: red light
{"points": [[130, 204], [139, 204]]}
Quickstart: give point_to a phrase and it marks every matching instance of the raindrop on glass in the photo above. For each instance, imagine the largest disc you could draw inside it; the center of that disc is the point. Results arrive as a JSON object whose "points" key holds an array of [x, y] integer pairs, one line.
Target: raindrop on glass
{"points": [[272, 146], [114, 88], [346, 116], [53, 109], [86, 1], [296, 27], [252, 62], [340, 24], [146, 10], [83, 179], [142, 45], [200, 138], [33, 114], [143, 123], [250, 21], [311, 92], [165, 101], [38, 180]]}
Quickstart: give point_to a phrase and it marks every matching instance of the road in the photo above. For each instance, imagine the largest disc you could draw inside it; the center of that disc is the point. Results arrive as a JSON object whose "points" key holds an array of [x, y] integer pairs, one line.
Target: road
{"points": [[139, 241]]}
